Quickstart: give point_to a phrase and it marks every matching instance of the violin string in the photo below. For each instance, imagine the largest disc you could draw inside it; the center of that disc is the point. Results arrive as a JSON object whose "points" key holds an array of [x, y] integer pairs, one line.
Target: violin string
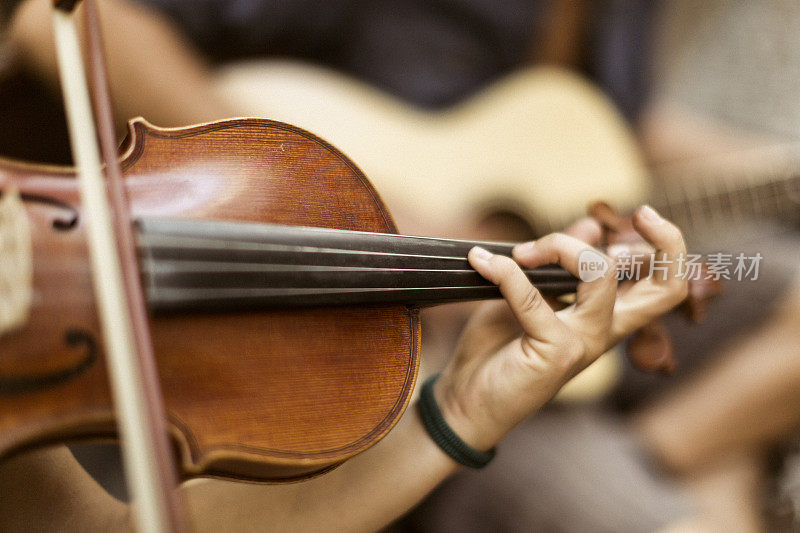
{"points": [[208, 265], [248, 292], [171, 243], [183, 293], [217, 267], [391, 281], [220, 298], [277, 233], [167, 250]]}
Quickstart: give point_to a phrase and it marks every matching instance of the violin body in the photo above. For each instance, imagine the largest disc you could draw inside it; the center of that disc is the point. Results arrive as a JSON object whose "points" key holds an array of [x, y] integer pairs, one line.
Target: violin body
{"points": [[267, 395]]}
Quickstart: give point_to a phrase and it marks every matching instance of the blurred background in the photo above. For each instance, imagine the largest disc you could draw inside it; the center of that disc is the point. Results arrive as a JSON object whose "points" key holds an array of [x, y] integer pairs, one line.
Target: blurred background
{"points": [[503, 119]]}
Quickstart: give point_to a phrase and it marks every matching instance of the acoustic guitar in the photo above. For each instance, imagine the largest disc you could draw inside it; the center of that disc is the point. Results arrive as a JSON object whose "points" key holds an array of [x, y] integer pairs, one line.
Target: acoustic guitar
{"points": [[541, 144]]}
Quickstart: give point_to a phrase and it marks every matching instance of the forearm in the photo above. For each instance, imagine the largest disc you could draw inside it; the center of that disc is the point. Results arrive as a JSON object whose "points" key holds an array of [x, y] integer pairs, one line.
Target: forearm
{"points": [[364, 494], [747, 400], [673, 133], [49, 490], [174, 90]]}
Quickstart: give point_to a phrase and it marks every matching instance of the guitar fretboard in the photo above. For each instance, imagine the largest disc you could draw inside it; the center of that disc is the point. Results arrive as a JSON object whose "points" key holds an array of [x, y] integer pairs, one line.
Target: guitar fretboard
{"points": [[700, 203]]}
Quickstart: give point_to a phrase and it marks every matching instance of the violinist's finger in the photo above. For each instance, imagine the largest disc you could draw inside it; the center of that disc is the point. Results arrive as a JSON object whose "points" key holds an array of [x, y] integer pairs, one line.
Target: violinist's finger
{"points": [[665, 237], [526, 302], [648, 298], [586, 229], [620, 250], [596, 297], [554, 248], [643, 302]]}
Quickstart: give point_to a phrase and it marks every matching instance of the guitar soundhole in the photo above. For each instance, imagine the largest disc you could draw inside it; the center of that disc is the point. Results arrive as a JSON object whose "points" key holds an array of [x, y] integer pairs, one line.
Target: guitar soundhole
{"points": [[503, 225], [793, 194]]}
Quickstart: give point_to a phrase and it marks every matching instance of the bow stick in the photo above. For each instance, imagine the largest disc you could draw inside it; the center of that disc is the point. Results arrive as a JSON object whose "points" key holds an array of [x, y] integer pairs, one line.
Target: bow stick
{"points": [[141, 418]]}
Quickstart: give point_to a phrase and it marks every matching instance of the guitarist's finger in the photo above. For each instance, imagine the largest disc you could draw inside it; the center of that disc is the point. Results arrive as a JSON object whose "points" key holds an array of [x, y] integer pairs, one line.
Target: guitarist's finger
{"points": [[526, 302], [586, 229]]}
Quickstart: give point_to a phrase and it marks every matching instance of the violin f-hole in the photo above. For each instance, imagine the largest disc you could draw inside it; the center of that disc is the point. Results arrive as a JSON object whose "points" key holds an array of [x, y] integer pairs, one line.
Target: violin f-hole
{"points": [[74, 338], [63, 222]]}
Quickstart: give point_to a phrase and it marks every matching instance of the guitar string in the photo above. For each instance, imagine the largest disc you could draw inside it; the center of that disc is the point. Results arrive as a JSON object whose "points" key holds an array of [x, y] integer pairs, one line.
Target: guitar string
{"points": [[757, 199], [748, 188]]}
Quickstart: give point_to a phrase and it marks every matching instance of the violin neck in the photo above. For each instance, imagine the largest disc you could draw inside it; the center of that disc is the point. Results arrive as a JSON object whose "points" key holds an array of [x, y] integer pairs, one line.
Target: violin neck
{"points": [[217, 266]]}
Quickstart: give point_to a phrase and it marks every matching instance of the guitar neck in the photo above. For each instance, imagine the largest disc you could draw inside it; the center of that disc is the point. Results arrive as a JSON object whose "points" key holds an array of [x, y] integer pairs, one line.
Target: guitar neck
{"points": [[704, 202]]}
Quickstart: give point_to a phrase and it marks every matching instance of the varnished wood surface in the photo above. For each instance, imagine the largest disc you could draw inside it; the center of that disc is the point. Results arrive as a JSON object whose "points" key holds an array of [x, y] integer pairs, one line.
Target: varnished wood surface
{"points": [[266, 395]]}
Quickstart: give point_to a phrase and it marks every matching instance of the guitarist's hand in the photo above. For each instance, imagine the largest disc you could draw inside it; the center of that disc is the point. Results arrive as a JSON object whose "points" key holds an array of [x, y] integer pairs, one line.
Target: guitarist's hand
{"points": [[486, 390]]}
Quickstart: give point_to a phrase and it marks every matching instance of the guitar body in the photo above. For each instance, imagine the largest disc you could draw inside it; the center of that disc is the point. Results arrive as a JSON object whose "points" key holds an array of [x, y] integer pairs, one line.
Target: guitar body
{"points": [[524, 145]]}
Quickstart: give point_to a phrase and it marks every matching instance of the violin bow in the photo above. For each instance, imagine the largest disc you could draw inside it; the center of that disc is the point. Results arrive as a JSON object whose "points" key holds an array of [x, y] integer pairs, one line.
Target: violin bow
{"points": [[141, 418]]}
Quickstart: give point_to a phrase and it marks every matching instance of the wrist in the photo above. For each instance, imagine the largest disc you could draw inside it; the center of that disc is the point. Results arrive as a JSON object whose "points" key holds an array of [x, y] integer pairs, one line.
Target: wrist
{"points": [[443, 434], [456, 414]]}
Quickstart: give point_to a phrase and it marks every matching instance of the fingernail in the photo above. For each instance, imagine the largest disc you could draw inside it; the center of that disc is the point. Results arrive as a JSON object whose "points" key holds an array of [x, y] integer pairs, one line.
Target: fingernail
{"points": [[651, 214], [481, 254]]}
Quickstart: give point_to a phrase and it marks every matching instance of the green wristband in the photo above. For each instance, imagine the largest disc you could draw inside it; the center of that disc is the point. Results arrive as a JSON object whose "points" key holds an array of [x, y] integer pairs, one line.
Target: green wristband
{"points": [[443, 435]]}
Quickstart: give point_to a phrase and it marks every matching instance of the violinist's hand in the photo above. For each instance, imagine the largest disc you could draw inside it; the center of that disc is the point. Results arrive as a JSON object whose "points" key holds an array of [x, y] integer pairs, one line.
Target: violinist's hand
{"points": [[486, 390]]}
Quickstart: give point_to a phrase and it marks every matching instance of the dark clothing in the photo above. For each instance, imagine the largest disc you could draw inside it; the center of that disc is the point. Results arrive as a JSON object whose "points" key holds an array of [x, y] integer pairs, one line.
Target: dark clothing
{"points": [[620, 49], [430, 52]]}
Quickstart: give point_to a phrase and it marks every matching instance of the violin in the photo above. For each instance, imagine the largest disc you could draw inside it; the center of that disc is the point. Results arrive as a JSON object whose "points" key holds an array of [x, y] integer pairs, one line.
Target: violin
{"points": [[284, 308]]}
